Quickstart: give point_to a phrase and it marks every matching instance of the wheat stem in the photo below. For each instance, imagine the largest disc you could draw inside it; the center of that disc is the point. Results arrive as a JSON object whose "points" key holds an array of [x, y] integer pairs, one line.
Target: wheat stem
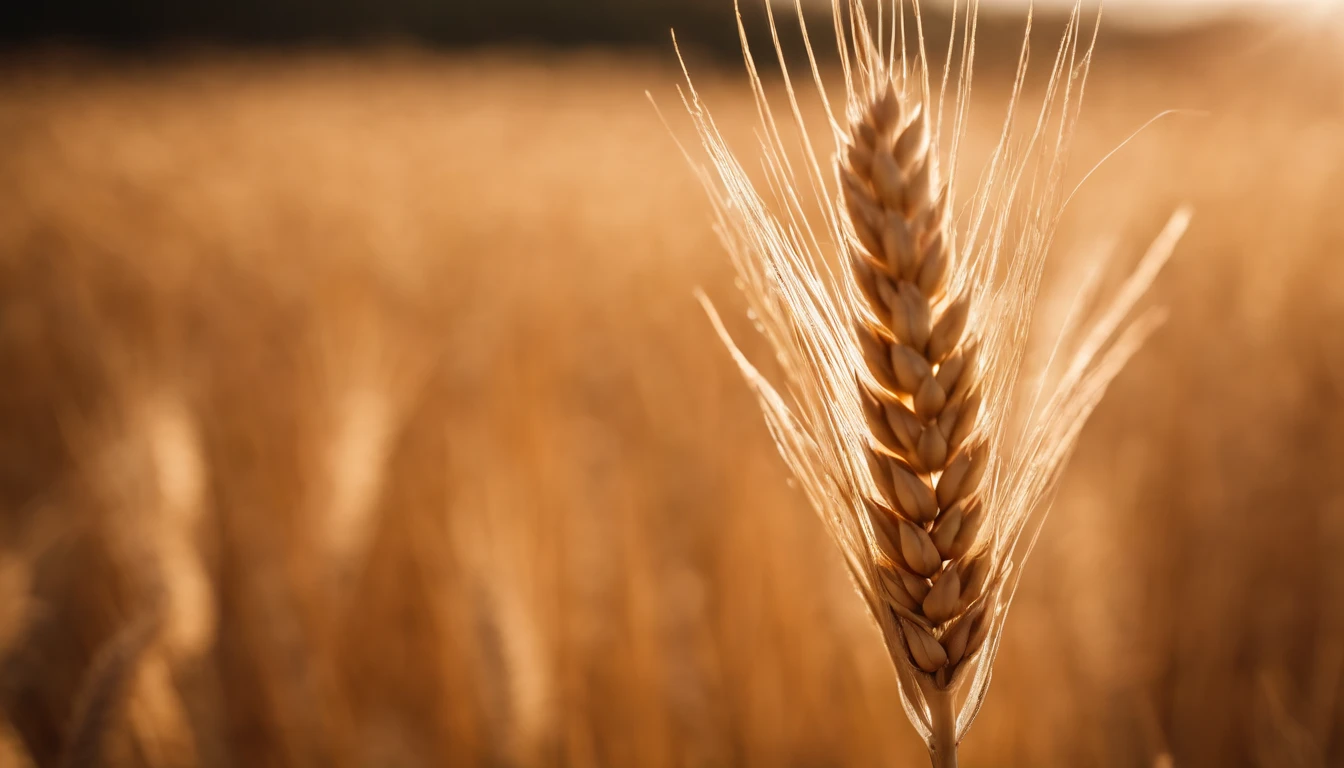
{"points": [[106, 686], [943, 717]]}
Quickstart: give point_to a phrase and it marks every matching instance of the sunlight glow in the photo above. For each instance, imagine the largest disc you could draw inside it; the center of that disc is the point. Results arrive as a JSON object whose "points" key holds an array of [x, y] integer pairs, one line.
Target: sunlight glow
{"points": [[1157, 13]]}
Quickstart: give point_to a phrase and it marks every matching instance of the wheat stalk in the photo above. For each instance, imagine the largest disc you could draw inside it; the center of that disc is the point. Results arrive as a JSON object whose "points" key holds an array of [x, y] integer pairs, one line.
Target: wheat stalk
{"points": [[902, 415], [106, 687]]}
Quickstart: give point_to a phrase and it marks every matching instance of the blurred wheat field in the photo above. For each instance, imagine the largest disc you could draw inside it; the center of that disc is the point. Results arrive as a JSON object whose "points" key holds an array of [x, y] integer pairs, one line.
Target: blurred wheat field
{"points": [[383, 370]]}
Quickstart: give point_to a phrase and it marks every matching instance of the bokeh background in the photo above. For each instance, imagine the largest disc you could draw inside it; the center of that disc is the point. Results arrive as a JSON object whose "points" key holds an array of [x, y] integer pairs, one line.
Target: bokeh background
{"points": [[355, 409]]}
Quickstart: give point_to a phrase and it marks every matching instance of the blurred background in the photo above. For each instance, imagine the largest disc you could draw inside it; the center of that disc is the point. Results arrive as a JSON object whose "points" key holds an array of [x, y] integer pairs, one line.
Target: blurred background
{"points": [[356, 411]]}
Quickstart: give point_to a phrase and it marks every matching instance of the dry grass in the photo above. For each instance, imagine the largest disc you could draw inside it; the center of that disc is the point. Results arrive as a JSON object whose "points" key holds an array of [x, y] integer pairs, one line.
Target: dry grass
{"points": [[404, 350]]}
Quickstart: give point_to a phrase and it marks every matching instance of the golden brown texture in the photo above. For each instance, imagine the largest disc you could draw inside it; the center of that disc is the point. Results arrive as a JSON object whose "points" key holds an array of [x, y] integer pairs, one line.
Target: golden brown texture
{"points": [[585, 552]]}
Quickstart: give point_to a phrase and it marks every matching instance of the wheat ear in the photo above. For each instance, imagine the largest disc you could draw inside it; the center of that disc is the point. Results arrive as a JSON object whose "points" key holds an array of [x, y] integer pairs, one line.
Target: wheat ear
{"points": [[903, 416], [922, 403]]}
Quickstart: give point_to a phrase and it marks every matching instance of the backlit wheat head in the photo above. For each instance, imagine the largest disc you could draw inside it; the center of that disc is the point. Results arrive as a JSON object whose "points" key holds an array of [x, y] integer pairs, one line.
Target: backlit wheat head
{"points": [[900, 317]]}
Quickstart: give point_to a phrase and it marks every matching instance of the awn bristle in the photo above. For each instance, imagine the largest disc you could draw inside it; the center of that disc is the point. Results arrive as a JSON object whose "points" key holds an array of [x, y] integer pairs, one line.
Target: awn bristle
{"points": [[901, 416]]}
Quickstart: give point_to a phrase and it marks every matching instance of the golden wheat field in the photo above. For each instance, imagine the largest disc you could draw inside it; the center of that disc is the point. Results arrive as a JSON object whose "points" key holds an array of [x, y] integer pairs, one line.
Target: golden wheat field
{"points": [[380, 372]]}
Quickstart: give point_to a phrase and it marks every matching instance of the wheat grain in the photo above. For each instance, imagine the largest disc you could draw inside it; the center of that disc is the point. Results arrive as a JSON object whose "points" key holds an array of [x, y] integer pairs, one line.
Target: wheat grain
{"points": [[903, 366]]}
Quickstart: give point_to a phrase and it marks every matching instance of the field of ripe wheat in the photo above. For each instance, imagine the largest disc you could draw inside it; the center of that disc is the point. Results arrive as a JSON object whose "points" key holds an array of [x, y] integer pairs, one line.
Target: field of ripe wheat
{"points": [[371, 386]]}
